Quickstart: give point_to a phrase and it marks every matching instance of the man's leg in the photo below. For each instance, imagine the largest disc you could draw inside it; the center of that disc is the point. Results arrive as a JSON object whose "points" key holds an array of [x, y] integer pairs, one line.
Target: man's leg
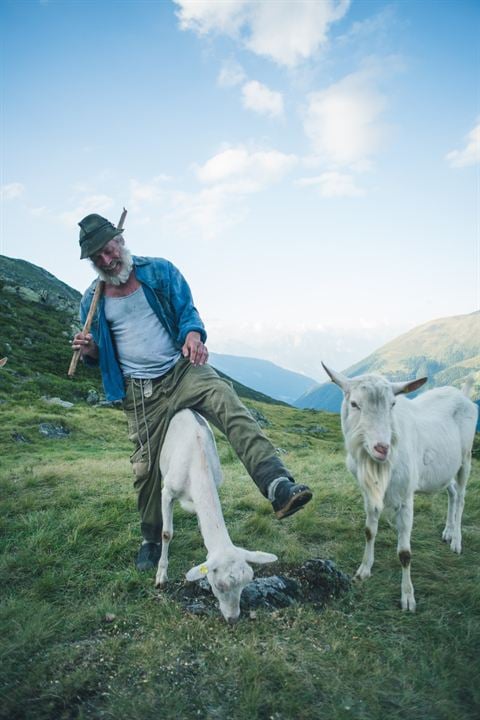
{"points": [[202, 389], [147, 414]]}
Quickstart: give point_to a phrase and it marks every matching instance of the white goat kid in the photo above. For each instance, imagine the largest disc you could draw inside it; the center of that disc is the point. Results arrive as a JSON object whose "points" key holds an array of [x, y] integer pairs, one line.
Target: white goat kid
{"points": [[191, 473], [397, 447]]}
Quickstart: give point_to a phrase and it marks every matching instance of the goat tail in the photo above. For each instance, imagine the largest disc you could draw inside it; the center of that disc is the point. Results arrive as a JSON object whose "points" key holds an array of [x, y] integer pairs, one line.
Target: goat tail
{"points": [[468, 385]]}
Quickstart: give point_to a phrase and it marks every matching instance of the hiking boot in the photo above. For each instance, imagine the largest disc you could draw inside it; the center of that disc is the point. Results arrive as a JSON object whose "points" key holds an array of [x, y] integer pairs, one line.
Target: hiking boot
{"points": [[288, 497], [148, 556]]}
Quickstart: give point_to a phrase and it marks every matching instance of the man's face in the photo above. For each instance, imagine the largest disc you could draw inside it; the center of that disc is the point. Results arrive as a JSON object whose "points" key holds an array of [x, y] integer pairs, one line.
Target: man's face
{"points": [[113, 262], [109, 258]]}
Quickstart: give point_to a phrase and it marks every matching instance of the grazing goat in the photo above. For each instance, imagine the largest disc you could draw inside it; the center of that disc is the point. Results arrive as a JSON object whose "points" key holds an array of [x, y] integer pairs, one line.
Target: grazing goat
{"points": [[397, 447], [191, 472]]}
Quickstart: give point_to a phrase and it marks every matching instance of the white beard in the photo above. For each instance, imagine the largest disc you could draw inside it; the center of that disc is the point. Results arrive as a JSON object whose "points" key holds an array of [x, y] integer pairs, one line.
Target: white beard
{"points": [[121, 277]]}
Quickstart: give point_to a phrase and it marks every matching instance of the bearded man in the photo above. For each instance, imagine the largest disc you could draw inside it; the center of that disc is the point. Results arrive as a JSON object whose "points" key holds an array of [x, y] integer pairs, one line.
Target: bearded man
{"points": [[149, 341]]}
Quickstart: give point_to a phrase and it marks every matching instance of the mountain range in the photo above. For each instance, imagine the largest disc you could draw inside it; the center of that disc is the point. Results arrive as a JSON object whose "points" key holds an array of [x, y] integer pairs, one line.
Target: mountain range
{"points": [[446, 351], [264, 376]]}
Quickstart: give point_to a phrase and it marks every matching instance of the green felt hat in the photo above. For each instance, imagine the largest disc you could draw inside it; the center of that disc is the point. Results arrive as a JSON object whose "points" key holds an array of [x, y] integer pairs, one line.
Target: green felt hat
{"points": [[95, 232]]}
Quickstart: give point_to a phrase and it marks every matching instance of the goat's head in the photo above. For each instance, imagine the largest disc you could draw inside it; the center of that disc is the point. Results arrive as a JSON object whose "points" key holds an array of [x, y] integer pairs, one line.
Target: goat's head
{"points": [[368, 416], [228, 574]]}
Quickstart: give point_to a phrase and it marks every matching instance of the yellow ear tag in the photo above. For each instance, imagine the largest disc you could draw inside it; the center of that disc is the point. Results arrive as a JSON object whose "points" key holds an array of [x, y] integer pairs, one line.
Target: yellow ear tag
{"points": [[203, 569]]}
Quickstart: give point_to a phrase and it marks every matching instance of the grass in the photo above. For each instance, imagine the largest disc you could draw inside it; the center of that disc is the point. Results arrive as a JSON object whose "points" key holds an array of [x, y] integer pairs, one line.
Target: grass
{"points": [[86, 636]]}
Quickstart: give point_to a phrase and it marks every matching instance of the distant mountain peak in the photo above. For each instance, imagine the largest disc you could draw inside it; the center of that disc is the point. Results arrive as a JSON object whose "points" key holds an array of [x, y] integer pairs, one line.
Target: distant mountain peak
{"points": [[446, 350]]}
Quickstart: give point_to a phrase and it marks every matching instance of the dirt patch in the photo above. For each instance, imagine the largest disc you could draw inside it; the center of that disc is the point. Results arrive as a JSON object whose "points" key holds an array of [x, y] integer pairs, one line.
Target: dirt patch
{"points": [[316, 582]]}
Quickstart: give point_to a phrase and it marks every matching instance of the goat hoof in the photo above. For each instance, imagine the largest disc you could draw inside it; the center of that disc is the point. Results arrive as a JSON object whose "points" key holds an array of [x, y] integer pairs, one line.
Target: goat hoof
{"points": [[409, 604], [361, 575]]}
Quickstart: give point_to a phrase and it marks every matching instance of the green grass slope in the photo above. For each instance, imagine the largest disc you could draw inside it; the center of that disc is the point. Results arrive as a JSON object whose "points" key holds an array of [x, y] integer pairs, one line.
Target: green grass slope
{"points": [[86, 636]]}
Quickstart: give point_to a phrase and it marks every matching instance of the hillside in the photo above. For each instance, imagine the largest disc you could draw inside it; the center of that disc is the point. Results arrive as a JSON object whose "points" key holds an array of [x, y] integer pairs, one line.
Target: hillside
{"points": [[84, 635], [264, 376], [32, 282], [38, 316], [446, 350]]}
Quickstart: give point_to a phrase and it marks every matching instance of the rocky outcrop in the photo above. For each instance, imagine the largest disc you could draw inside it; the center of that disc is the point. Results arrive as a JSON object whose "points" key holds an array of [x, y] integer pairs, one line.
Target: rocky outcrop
{"points": [[33, 283]]}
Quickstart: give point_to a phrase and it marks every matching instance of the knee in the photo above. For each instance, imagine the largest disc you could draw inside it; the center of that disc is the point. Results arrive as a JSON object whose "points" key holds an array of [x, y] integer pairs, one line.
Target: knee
{"points": [[140, 471]]}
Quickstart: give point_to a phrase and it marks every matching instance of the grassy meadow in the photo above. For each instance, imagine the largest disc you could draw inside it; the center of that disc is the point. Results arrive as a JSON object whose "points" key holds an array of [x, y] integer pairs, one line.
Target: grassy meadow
{"points": [[84, 635]]}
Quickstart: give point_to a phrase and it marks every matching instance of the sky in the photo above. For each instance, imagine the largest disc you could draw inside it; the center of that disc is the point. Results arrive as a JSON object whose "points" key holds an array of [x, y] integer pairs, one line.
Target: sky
{"points": [[311, 166]]}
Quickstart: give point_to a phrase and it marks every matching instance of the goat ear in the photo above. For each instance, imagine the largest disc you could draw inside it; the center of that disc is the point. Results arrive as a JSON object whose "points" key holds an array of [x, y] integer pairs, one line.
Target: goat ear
{"points": [[341, 380], [197, 572], [408, 387], [258, 557]]}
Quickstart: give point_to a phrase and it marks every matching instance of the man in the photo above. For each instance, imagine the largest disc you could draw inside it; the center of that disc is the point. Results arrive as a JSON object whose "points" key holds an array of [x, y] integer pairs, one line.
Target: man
{"points": [[148, 339]]}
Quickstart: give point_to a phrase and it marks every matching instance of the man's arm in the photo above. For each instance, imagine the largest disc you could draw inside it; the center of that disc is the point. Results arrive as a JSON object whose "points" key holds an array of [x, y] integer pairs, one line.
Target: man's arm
{"points": [[181, 300]]}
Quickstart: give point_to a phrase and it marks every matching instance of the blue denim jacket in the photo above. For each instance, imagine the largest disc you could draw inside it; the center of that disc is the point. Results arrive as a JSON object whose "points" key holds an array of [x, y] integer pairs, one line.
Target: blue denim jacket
{"points": [[168, 295]]}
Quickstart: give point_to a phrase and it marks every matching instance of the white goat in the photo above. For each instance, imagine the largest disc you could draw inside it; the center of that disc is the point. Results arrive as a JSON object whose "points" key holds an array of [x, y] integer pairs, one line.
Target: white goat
{"points": [[397, 447], [191, 473]]}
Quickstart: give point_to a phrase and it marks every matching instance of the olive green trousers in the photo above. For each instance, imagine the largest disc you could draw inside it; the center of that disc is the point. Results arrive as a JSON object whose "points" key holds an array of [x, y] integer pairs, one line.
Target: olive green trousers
{"points": [[150, 405]]}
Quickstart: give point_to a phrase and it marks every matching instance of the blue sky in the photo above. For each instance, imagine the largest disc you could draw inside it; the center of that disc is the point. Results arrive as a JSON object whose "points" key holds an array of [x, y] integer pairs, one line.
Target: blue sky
{"points": [[311, 167]]}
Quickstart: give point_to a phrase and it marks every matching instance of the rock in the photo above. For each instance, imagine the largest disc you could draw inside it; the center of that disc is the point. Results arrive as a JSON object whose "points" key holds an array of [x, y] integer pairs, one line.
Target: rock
{"points": [[17, 437], [54, 432], [92, 397], [259, 417], [57, 401], [317, 430], [316, 581], [314, 430], [270, 592], [197, 607]]}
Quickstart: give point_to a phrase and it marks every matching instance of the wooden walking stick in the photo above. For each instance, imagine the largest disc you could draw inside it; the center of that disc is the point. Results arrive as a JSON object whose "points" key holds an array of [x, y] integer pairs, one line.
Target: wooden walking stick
{"points": [[93, 306]]}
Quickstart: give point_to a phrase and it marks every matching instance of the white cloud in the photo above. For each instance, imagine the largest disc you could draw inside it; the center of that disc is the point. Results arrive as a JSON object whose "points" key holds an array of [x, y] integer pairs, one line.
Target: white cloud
{"points": [[152, 192], [287, 32], [11, 191], [229, 177], [204, 16], [290, 32], [100, 204], [252, 170], [231, 74], [333, 184], [259, 98], [470, 155], [208, 213], [342, 121]]}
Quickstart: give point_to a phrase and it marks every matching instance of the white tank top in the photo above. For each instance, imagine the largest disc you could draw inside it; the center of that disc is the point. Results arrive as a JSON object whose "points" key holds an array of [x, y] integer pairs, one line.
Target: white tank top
{"points": [[144, 348]]}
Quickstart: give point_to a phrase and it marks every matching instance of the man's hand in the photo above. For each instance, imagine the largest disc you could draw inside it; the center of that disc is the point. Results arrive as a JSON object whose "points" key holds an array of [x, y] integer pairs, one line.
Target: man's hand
{"points": [[194, 349], [86, 344]]}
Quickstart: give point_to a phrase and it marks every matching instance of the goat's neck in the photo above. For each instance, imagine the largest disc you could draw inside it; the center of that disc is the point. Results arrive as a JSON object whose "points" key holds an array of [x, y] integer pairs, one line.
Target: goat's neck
{"points": [[209, 512]]}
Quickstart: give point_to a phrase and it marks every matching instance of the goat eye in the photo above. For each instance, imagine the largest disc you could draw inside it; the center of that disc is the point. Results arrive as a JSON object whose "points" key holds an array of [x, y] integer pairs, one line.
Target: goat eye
{"points": [[354, 405], [393, 404]]}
